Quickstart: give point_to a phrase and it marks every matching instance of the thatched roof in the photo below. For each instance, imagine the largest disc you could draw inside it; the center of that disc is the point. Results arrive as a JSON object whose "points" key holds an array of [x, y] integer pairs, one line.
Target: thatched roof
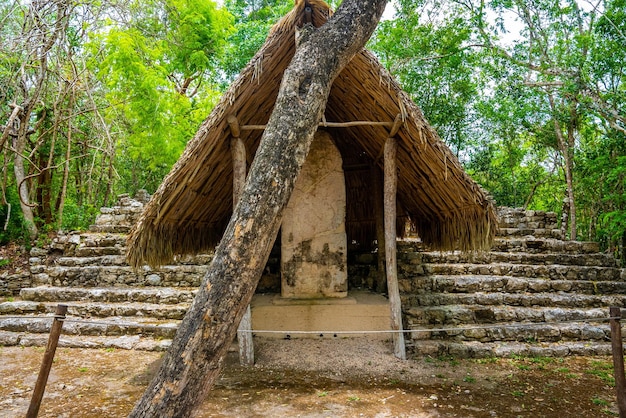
{"points": [[191, 208]]}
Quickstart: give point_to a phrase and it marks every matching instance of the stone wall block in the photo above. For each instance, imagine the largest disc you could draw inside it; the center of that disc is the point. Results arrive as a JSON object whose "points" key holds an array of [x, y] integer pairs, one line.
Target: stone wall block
{"points": [[593, 332]]}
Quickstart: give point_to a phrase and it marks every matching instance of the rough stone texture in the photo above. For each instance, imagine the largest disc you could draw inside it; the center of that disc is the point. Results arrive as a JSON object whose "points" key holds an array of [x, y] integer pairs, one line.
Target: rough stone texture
{"points": [[314, 247], [535, 294], [11, 283], [121, 217], [97, 258], [532, 295]]}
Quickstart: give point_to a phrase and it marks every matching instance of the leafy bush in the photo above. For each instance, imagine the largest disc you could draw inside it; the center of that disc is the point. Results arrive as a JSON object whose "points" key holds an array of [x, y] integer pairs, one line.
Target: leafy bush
{"points": [[14, 229], [78, 218]]}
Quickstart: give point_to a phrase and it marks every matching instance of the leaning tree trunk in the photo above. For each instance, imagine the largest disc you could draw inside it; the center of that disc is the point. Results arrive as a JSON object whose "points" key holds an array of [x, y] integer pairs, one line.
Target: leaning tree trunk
{"points": [[193, 362]]}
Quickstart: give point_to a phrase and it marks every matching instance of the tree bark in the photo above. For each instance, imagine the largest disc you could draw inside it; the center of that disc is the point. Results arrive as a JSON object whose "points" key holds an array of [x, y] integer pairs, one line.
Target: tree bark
{"points": [[20, 175], [66, 166], [194, 360], [566, 150]]}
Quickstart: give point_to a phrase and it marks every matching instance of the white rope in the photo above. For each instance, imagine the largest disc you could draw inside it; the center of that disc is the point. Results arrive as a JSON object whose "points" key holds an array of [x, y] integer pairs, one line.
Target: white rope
{"points": [[321, 332]]}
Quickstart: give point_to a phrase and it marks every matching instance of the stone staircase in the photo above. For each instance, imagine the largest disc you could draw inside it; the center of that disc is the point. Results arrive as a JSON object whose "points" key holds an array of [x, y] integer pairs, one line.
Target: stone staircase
{"points": [[533, 294], [109, 304]]}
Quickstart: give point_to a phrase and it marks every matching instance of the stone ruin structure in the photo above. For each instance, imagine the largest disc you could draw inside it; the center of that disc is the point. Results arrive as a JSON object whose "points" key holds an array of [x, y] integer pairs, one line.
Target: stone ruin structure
{"points": [[535, 293], [314, 246]]}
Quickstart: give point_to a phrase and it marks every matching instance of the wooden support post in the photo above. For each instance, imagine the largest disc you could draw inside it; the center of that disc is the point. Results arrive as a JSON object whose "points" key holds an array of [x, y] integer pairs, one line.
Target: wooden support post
{"points": [[617, 348], [379, 211], [390, 191], [46, 364], [238, 152]]}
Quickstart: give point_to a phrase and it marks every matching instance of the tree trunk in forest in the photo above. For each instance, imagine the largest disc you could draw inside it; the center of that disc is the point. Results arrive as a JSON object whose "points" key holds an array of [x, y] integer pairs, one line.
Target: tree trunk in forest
{"points": [[566, 148], [194, 360], [66, 165], [20, 175]]}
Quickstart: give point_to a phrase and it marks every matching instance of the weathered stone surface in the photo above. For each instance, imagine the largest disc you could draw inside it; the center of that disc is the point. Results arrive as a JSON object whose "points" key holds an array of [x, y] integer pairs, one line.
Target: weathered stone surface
{"points": [[314, 248], [527, 294]]}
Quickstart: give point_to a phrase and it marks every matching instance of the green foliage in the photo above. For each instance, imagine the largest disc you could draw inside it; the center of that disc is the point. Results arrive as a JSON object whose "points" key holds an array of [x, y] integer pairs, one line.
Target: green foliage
{"points": [[15, 229], [603, 370], [78, 218], [435, 65], [155, 70], [253, 21], [602, 168]]}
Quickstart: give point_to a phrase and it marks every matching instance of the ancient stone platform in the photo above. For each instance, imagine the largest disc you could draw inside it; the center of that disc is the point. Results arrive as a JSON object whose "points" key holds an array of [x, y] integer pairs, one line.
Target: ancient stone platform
{"points": [[533, 294], [363, 312]]}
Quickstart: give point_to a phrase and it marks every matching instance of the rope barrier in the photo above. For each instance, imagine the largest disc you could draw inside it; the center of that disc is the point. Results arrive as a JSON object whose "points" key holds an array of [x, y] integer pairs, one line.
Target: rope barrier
{"points": [[322, 332]]}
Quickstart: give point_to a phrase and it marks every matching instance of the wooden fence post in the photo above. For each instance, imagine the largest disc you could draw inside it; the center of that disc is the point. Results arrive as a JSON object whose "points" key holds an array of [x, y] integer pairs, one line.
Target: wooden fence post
{"points": [[618, 358], [46, 364]]}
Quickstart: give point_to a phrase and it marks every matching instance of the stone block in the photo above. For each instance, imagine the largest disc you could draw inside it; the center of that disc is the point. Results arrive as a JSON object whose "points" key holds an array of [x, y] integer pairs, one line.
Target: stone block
{"points": [[562, 285], [314, 243], [153, 279]]}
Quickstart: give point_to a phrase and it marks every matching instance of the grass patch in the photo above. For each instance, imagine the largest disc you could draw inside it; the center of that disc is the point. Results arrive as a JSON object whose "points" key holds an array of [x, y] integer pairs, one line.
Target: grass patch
{"points": [[487, 360], [603, 370], [469, 379], [600, 401]]}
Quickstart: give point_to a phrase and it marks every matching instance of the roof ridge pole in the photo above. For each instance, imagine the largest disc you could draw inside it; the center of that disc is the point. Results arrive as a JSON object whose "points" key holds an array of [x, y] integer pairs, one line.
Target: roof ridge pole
{"points": [[390, 195], [238, 153]]}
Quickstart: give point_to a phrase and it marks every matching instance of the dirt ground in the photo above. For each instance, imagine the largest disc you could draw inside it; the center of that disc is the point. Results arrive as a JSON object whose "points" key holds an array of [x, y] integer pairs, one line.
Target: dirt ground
{"points": [[320, 378]]}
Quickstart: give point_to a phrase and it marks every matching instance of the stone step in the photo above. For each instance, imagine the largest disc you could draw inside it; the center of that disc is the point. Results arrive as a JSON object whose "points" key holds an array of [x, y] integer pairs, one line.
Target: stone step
{"points": [[515, 332], [476, 349], [120, 260], [552, 272], [107, 326], [85, 251], [101, 260], [68, 244], [535, 218], [502, 315], [124, 342], [490, 283], [118, 229], [540, 245], [98, 309], [154, 295], [512, 245], [530, 232], [597, 259], [185, 275], [548, 300], [88, 239]]}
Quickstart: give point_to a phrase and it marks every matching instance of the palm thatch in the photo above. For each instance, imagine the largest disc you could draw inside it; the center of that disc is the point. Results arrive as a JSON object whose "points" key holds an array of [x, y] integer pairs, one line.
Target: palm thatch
{"points": [[191, 208]]}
